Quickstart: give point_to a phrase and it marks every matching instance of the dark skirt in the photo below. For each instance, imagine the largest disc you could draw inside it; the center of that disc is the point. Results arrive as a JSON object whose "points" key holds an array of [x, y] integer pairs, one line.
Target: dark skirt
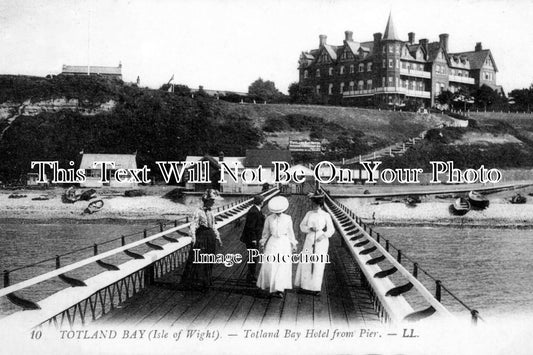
{"points": [[200, 274]]}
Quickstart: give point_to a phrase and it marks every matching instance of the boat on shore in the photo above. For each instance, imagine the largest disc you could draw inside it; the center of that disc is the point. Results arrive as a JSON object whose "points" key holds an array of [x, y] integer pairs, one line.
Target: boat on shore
{"points": [[460, 207], [518, 199], [477, 201], [94, 206]]}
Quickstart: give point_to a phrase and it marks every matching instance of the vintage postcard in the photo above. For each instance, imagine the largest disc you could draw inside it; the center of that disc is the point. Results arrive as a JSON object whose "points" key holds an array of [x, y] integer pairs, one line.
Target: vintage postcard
{"points": [[267, 177]]}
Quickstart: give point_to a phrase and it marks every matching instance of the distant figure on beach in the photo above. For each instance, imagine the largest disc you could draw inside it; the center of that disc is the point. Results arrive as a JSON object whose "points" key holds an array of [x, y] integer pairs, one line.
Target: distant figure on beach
{"points": [[252, 232], [278, 239], [204, 237], [318, 226]]}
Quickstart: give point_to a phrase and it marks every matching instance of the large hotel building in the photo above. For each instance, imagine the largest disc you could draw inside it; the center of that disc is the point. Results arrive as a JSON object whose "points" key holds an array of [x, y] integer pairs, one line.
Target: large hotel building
{"points": [[389, 71]]}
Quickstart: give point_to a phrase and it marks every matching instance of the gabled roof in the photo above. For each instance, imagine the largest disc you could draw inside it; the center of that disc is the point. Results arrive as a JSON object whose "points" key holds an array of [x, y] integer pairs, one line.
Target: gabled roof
{"points": [[265, 157], [332, 51], [122, 161], [367, 46], [230, 161], [433, 50], [390, 31], [354, 46], [477, 59], [76, 69]]}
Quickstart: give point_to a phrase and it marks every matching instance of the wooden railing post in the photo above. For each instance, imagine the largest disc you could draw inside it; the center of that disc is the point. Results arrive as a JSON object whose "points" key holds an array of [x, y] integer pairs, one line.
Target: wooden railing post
{"points": [[438, 290], [6, 278], [475, 316], [58, 262], [415, 270]]}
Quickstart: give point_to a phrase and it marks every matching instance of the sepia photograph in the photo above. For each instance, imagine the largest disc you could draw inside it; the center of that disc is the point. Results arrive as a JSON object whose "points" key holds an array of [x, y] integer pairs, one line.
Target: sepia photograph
{"points": [[266, 176]]}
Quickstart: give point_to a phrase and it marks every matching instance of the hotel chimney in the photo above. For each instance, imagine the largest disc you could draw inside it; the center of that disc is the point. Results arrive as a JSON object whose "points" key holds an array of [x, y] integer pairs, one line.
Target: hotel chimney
{"points": [[377, 42], [424, 43], [443, 39], [322, 40], [348, 36], [411, 37], [479, 47]]}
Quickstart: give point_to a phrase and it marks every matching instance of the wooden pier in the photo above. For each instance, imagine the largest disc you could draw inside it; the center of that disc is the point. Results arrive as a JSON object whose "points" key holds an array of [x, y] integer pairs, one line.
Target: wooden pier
{"points": [[233, 302]]}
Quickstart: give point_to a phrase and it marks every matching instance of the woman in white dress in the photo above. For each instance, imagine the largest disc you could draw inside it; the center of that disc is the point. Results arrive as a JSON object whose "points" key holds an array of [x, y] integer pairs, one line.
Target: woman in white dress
{"points": [[318, 227], [277, 239]]}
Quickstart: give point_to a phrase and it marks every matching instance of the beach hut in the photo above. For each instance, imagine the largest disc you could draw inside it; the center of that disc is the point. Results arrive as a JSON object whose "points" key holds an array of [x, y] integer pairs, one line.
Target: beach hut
{"points": [[94, 173]]}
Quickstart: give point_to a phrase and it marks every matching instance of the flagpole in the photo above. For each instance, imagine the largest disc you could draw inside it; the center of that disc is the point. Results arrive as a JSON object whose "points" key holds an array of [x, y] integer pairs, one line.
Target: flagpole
{"points": [[89, 41]]}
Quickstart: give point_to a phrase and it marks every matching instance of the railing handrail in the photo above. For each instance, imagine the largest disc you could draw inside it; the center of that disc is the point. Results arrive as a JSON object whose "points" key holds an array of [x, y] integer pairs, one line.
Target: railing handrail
{"points": [[51, 274], [421, 289]]}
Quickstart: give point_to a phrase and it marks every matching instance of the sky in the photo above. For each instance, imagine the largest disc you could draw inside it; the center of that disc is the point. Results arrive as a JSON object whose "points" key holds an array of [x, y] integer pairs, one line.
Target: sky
{"points": [[226, 45]]}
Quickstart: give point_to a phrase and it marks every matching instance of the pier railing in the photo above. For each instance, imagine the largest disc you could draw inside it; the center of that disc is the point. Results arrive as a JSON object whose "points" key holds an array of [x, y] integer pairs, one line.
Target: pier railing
{"points": [[87, 300], [384, 275]]}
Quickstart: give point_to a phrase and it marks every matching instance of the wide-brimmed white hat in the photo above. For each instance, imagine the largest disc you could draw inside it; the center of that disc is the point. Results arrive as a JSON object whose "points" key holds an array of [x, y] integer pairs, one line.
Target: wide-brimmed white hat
{"points": [[278, 204]]}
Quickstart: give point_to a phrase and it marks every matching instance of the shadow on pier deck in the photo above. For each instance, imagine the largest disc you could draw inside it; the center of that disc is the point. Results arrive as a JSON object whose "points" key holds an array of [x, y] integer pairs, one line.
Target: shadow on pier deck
{"points": [[233, 302]]}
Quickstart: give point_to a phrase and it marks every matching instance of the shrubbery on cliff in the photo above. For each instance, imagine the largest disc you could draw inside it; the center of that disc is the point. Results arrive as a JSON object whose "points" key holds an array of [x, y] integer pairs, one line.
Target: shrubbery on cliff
{"points": [[155, 124]]}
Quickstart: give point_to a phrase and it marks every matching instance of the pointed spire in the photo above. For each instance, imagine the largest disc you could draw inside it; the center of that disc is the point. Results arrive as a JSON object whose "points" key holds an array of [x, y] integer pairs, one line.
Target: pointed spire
{"points": [[390, 32]]}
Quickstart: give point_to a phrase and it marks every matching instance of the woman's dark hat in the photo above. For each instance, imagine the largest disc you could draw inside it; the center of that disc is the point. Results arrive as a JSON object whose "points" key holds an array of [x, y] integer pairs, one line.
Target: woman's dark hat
{"points": [[211, 194], [316, 196], [258, 199]]}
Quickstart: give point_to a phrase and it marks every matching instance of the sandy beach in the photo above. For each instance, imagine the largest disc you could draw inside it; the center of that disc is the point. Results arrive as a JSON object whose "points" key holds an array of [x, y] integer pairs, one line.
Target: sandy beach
{"points": [[152, 206], [116, 207], [434, 211]]}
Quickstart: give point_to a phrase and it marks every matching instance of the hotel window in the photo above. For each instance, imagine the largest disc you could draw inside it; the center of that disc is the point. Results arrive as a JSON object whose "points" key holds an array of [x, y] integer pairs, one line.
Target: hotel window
{"points": [[351, 85], [369, 66], [342, 88], [330, 89], [360, 85], [330, 71], [397, 64], [342, 69], [369, 84], [361, 67], [318, 89], [391, 49], [306, 74], [352, 69], [391, 64], [384, 49], [318, 73], [397, 48], [383, 82], [384, 63], [391, 78]]}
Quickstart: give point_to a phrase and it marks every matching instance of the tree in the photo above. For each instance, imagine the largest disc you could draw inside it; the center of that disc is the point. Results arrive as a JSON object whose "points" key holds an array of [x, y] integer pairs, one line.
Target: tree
{"points": [[445, 97], [522, 99], [265, 90], [489, 99], [302, 94]]}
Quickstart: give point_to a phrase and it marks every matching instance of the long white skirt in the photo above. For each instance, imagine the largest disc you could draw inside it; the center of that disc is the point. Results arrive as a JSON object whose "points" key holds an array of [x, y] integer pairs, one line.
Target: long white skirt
{"points": [[276, 276], [309, 275]]}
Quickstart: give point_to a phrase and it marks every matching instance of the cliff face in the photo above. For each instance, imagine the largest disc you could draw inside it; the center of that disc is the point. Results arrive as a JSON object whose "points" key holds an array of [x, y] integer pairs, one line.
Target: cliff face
{"points": [[10, 110]]}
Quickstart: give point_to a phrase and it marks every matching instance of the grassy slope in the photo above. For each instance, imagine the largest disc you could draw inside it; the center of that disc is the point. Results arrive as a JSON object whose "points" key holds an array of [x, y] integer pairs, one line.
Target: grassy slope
{"points": [[386, 125]]}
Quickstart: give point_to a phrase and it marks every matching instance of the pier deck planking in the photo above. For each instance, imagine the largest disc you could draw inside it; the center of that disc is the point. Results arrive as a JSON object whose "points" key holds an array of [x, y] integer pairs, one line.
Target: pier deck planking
{"points": [[232, 302]]}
